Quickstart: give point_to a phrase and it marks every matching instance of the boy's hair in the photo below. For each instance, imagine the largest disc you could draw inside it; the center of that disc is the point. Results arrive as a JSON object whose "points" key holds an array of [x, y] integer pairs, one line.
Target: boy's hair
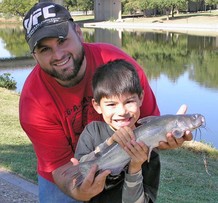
{"points": [[115, 78]]}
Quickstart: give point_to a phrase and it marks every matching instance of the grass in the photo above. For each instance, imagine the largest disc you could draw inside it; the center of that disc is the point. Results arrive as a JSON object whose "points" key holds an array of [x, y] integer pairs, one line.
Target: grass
{"points": [[184, 176], [189, 175], [16, 152]]}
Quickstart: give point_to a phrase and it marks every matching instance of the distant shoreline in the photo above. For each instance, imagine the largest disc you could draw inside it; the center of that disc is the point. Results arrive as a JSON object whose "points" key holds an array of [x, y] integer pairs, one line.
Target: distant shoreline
{"points": [[198, 24], [203, 29]]}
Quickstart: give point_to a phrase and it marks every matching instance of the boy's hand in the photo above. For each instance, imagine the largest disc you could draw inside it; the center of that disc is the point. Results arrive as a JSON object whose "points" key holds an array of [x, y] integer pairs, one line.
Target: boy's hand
{"points": [[122, 136], [138, 152]]}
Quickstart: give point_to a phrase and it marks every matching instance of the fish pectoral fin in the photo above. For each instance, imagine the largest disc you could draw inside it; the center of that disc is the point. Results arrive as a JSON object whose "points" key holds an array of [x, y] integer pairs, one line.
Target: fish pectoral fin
{"points": [[74, 173], [177, 133], [149, 153]]}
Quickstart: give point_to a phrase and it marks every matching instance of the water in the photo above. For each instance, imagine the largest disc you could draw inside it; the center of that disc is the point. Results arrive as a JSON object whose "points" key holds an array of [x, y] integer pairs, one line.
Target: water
{"points": [[181, 69], [199, 100], [4, 52]]}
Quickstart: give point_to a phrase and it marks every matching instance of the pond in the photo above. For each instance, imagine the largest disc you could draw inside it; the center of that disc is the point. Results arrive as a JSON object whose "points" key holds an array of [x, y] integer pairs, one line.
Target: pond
{"points": [[181, 68]]}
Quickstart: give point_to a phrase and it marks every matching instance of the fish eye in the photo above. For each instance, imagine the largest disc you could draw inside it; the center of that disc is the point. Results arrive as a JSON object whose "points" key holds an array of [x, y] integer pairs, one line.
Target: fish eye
{"points": [[195, 116]]}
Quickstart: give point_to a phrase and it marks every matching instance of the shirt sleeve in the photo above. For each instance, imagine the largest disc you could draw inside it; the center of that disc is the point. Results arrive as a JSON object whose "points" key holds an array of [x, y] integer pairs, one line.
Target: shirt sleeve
{"points": [[92, 141], [133, 191]]}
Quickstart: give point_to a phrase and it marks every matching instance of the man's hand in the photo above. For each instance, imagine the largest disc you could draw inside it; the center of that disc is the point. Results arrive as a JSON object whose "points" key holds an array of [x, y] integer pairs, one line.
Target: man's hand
{"points": [[91, 186], [173, 143]]}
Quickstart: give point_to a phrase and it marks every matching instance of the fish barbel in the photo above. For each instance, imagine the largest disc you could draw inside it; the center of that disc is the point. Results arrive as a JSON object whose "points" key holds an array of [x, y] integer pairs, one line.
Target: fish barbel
{"points": [[152, 130]]}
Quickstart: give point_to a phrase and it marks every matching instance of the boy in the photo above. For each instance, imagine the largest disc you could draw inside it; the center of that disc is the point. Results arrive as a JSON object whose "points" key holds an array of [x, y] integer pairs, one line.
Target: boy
{"points": [[118, 95]]}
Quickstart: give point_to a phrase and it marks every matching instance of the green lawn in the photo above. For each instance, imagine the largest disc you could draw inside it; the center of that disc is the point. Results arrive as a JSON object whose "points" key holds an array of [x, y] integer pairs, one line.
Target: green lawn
{"points": [[184, 176]]}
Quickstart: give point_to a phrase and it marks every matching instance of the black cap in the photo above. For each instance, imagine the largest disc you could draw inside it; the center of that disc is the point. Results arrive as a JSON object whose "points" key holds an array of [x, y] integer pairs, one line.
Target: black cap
{"points": [[45, 20]]}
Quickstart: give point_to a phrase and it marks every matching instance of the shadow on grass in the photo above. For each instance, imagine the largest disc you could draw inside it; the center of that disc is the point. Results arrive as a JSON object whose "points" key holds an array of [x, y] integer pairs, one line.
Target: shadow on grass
{"points": [[19, 159]]}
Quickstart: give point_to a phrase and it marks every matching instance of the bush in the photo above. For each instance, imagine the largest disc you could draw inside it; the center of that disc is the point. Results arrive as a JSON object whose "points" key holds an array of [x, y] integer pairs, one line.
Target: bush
{"points": [[7, 81]]}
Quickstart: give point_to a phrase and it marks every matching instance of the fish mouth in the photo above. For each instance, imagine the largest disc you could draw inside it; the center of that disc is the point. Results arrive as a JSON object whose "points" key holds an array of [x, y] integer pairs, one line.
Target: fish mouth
{"points": [[200, 120]]}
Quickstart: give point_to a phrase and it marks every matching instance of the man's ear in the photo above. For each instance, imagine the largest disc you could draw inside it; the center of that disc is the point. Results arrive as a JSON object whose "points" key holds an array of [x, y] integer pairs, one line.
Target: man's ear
{"points": [[79, 32], [96, 106], [34, 56]]}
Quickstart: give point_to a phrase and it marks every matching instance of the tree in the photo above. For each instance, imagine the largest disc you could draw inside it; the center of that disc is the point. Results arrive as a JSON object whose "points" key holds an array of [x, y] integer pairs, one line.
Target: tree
{"points": [[17, 7], [70, 3], [85, 5], [211, 3], [168, 6]]}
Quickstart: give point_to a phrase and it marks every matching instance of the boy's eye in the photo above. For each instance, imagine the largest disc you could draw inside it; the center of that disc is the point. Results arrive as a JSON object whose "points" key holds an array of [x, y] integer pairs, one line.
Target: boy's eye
{"points": [[130, 101], [110, 104]]}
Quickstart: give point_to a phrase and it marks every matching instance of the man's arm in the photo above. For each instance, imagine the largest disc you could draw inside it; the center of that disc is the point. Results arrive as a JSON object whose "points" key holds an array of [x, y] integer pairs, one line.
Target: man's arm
{"points": [[90, 187]]}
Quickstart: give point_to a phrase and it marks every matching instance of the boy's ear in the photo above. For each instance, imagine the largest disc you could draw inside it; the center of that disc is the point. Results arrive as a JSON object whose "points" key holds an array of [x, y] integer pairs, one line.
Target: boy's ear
{"points": [[141, 97], [96, 106]]}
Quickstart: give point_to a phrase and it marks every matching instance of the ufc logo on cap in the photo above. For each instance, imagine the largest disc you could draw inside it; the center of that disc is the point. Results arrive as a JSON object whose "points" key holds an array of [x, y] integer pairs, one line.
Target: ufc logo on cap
{"points": [[42, 13]]}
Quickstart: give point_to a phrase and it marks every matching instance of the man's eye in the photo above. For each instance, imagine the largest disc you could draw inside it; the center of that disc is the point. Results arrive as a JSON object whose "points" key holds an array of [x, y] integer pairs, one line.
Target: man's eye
{"points": [[61, 40], [45, 49]]}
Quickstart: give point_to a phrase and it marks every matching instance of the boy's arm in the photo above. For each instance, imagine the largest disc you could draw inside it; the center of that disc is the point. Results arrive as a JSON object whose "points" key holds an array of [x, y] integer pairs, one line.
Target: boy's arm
{"points": [[143, 184], [133, 190]]}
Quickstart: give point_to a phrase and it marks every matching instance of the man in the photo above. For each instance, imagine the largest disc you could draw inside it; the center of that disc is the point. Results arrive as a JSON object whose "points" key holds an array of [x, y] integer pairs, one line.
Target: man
{"points": [[55, 103]]}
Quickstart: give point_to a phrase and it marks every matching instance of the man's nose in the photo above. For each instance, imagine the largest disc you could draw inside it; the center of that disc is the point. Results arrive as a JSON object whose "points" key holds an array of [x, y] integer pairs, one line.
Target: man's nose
{"points": [[57, 53]]}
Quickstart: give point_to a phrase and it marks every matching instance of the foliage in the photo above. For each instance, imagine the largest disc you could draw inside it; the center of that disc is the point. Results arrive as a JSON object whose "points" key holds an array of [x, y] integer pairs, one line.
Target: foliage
{"points": [[70, 4], [82, 5], [211, 2], [14, 41], [167, 5], [159, 53], [164, 6], [85, 5], [7, 81], [17, 7]]}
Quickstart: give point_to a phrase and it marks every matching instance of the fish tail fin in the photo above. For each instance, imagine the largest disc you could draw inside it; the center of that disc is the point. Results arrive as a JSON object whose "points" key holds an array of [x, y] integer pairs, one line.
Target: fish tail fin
{"points": [[74, 173]]}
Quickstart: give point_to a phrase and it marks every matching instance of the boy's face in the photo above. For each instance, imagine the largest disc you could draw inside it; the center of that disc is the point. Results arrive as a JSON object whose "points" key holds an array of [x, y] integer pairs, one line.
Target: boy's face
{"points": [[120, 111]]}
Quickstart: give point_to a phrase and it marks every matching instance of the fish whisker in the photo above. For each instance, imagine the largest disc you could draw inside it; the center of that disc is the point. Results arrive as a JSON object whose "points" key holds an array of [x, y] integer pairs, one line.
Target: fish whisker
{"points": [[206, 164]]}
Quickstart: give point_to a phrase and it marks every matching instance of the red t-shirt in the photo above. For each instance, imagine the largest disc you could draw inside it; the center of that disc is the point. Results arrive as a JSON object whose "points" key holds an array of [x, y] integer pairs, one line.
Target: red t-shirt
{"points": [[54, 116]]}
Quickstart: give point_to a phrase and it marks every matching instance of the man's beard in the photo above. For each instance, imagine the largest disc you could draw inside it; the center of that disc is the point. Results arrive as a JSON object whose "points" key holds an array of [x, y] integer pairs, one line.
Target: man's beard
{"points": [[67, 77]]}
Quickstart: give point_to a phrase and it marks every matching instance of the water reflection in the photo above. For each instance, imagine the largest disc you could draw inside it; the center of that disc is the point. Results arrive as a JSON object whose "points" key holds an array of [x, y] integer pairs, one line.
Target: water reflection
{"points": [[4, 52], [181, 68]]}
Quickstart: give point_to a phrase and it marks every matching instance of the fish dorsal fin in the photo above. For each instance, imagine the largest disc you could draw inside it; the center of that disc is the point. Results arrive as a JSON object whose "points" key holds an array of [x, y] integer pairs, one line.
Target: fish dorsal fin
{"points": [[105, 149], [147, 119]]}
